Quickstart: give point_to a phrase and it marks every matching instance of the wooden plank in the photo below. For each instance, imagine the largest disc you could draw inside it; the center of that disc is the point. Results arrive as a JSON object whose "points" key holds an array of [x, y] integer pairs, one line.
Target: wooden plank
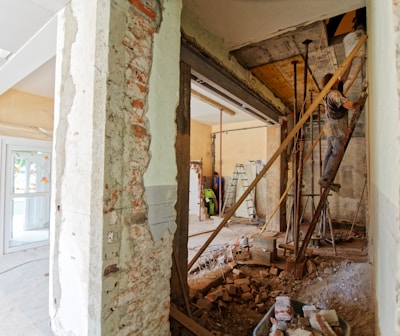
{"points": [[188, 323], [182, 148], [279, 78], [309, 251]]}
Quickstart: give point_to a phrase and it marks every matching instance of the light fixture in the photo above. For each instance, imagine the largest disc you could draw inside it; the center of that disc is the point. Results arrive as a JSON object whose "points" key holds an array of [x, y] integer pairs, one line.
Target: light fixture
{"points": [[4, 54]]}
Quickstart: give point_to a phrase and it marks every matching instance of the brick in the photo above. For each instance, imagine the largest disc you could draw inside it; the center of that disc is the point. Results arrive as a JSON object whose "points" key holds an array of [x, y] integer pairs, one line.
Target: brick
{"points": [[261, 308], [144, 8], [232, 290], [273, 271], [245, 288], [204, 304], [225, 295], [243, 281], [247, 296], [311, 267], [222, 304], [238, 273]]}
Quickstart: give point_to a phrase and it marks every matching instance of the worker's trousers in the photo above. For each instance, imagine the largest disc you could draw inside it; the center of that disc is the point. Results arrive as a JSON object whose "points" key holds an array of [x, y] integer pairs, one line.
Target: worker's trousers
{"points": [[334, 146]]}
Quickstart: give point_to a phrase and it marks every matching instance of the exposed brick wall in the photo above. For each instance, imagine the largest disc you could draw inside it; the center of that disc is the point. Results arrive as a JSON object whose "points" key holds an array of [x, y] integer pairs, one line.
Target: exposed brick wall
{"points": [[136, 268]]}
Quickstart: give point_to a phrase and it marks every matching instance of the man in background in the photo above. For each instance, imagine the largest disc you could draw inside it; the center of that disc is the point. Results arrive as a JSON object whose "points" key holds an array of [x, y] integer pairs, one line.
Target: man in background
{"points": [[336, 107], [217, 186]]}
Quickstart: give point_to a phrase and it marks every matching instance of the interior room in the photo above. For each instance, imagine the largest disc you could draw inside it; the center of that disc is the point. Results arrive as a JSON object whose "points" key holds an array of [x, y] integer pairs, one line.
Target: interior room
{"points": [[118, 120]]}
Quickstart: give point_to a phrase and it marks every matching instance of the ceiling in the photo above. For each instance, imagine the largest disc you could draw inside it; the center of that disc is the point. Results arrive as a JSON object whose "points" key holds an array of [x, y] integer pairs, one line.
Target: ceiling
{"points": [[265, 36]]}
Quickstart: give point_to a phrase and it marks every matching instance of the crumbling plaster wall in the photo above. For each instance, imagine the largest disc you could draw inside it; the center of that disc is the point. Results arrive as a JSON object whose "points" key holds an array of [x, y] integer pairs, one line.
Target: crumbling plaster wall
{"points": [[384, 158], [115, 170]]}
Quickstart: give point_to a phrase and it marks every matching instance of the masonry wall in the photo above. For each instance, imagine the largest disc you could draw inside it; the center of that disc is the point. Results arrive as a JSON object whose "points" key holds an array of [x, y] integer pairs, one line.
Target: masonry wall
{"points": [[115, 186]]}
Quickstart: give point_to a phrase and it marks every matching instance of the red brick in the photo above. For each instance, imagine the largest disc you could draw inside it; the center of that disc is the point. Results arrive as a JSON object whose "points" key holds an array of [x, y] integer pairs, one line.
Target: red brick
{"points": [[149, 12]]}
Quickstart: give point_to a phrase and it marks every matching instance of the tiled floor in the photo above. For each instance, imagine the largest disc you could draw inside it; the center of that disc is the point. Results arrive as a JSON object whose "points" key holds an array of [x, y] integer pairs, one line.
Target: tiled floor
{"points": [[24, 283]]}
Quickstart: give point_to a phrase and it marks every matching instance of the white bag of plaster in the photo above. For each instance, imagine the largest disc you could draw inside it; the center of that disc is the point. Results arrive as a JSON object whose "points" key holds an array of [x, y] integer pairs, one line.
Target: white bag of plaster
{"points": [[283, 308]]}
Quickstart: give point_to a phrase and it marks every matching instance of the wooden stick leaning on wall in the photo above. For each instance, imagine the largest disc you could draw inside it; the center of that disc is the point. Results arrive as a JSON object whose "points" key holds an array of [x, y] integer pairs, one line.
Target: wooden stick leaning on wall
{"points": [[355, 76], [307, 156], [188, 323], [181, 283], [281, 148]]}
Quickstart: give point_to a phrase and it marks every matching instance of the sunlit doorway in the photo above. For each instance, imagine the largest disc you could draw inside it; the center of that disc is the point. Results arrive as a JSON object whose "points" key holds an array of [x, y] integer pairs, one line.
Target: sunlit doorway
{"points": [[27, 194]]}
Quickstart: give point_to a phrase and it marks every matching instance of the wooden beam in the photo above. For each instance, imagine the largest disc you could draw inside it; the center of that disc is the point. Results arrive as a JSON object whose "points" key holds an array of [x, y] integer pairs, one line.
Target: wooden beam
{"points": [[188, 323], [182, 150], [212, 102]]}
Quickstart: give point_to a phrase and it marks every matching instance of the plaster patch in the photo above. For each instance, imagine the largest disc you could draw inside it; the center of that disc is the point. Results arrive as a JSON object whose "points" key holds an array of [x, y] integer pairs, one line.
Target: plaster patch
{"points": [[161, 217]]}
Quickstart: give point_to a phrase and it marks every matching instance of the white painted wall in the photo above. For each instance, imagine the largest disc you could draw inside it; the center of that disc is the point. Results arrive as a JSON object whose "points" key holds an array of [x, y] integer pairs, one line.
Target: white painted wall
{"points": [[78, 170], [160, 178], [384, 158]]}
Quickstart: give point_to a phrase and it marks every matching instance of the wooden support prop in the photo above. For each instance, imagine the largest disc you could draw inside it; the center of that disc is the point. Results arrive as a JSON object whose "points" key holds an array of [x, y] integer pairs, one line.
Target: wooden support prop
{"points": [[281, 148], [188, 323], [277, 206], [181, 283], [355, 76], [306, 157], [200, 233]]}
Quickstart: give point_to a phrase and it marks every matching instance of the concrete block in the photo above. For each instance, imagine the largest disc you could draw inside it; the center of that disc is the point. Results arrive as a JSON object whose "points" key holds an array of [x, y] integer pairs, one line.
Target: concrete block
{"points": [[266, 243], [261, 256]]}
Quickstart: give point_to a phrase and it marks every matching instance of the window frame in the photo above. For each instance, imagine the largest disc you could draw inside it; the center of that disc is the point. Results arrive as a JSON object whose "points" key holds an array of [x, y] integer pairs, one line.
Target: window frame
{"points": [[7, 145]]}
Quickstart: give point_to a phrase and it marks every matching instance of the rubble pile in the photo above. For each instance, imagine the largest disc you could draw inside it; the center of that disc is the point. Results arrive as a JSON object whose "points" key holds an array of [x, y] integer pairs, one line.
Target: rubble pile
{"points": [[244, 295]]}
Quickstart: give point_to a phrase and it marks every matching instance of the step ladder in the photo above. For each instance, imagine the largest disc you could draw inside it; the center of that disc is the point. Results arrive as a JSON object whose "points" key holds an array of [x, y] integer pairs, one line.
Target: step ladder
{"points": [[240, 178], [325, 194]]}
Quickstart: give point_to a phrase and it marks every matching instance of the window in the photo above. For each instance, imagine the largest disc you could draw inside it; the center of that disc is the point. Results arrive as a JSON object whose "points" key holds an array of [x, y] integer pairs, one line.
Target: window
{"points": [[25, 193]]}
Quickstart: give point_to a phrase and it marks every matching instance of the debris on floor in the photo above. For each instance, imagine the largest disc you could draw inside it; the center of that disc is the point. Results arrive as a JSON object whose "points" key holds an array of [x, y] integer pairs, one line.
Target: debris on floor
{"points": [[237, 302]]}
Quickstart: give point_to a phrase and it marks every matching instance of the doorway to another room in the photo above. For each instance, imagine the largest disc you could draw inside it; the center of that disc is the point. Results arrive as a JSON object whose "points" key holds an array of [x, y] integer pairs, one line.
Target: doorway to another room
{"points": [[25, 200]]}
